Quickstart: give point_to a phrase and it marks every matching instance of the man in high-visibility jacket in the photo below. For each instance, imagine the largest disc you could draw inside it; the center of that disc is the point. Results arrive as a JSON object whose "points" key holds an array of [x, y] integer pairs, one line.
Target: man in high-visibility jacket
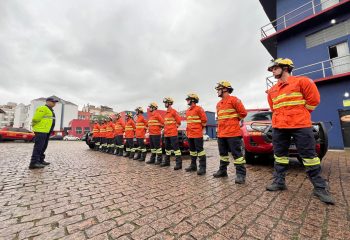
{"points": [[292, 100], [140, 132], [43, 123], [110, 135], [129, 135], [172, 120], [155, 125], [230, 110], [119, 127], [96, 134], [103, 135], [196, 121]]}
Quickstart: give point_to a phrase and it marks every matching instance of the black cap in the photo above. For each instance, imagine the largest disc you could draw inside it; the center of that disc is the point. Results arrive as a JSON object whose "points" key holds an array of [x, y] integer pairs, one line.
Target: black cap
{"points": [[51, 99]]}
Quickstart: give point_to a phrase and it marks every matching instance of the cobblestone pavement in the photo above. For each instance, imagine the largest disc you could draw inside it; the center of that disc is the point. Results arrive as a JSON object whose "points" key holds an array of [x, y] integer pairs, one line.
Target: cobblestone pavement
{"points": [[90, 195]]}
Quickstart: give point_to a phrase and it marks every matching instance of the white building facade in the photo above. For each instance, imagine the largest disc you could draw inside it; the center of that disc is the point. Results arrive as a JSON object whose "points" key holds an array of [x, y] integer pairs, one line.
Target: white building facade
{"points": [[65, 111]]}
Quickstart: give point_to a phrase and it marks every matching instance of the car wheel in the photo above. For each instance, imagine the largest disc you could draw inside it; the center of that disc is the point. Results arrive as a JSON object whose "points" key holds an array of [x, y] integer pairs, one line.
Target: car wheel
{"points": [[249, 157]]}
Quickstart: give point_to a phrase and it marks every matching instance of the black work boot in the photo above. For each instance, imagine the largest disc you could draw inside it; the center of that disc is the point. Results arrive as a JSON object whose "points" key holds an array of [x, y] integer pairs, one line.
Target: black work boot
{"points": [[279, 182], [116, 151], [166, 161], [193, 165], [324, 195], [143, 156], [126, 154], [158, 159], [152, 159], [121, 152], [137, 155], [241, 172], [320, 185], [202, 165], [222, 172], [131, 156], [178, 164], [36, 165]]}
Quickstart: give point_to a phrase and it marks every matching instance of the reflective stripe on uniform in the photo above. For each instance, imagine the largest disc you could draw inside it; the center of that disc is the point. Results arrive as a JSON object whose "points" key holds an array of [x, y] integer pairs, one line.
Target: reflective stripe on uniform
{"points": [[225, 158], [287, 95], [193, 154], [153, 150], [310, 107], [159, 151], [168, 152], [228, 116], [289, 103], [282, 160], [311, 161], [202, 153], [227, 111], [238, 161], [177, 153]]}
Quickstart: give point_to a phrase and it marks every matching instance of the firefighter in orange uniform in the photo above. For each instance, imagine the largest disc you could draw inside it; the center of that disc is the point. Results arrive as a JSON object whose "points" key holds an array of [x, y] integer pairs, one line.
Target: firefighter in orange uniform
{"points": [[141, 127], [110, 135], [155, 125], [172, 120], [96, 135], [129, 135], [196, 121], [119, 126], [292, 100], [230, 111], [103, 135]]}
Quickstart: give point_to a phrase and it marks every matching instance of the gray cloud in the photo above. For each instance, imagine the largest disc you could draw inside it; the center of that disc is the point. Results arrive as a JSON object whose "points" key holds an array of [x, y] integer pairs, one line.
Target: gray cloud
{"points": [[129, 53]]}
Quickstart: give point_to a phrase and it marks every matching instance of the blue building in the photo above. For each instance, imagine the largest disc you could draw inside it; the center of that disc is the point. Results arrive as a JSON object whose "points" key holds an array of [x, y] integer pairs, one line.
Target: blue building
{"points": [[211, 124], [316, 36]]}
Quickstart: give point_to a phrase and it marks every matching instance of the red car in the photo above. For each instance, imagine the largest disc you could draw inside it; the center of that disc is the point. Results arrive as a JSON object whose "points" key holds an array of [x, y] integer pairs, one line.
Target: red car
{"points": [[257, 136], [11, 133]]}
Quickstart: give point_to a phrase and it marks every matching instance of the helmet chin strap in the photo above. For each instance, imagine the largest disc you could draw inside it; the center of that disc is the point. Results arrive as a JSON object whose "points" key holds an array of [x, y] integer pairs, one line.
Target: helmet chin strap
{"points": [[280, 75], [221, 92]]}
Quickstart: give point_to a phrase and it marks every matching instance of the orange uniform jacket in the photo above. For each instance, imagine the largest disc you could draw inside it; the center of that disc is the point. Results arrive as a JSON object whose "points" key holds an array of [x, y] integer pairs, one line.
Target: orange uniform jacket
{"points": [[230, 111], [292, 102], [110, 130], [155, 123], [130, 129], [141, 126], [119, 126], [196, 120], [96, 130], [103, 130], [171, 120]]}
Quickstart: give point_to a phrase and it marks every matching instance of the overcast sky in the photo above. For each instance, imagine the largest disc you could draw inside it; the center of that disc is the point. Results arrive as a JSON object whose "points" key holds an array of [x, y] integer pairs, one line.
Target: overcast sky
{"points": [[127, 53]]}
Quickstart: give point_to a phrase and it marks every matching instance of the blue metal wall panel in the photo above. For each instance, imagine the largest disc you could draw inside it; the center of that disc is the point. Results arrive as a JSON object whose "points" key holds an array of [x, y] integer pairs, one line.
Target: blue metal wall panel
{"points": [[332, 96], [211, 118]]}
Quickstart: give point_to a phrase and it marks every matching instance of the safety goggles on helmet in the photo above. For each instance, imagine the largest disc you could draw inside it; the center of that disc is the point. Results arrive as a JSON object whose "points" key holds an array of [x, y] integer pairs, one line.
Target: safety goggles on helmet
{"points": [[168, 100], [224, 84], [153, 105], [139, 109], [281, 62], [129, 114], [192, 96]]}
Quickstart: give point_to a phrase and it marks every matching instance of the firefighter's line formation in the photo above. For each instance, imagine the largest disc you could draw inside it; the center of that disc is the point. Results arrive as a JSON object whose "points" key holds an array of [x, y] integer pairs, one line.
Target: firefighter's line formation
{"points": [[291, 99]]}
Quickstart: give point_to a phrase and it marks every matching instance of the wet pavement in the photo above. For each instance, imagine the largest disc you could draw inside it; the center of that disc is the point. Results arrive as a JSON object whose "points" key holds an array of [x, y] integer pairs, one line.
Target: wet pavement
{"points": [[91, 195]]}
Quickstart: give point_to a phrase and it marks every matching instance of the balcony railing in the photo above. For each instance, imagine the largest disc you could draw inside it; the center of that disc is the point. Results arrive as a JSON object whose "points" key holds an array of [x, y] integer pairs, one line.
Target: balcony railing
{"points": [[323, 69], [298, 14]]}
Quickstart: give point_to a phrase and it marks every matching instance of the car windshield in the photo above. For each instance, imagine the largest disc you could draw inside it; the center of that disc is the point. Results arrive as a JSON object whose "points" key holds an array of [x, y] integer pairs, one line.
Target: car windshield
{"points": [[258, 116]]}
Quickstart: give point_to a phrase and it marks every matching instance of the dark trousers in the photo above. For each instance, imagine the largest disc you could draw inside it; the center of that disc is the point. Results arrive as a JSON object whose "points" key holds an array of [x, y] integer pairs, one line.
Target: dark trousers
{"points": [[172, 143], [154, 141], [40, 145], [119, 141], [305, 142], [130, 145], [196, 147], [141, 145], [232, 144]]}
